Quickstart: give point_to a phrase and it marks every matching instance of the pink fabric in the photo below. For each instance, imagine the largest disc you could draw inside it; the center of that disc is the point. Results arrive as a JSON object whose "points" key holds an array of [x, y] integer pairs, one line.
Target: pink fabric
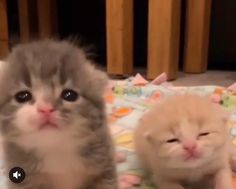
{"points": [[139, 80], [232, 87], [160, 79]]}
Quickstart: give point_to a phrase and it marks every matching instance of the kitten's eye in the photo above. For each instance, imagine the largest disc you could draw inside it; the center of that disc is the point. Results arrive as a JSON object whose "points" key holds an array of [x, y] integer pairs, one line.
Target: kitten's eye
{"points": [[23, 96], [172, 140], [69, 95], [204, 134]]}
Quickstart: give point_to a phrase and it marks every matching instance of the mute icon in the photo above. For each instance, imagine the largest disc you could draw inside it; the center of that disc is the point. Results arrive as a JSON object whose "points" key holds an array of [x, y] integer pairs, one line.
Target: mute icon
{"points": [[17, 175]]}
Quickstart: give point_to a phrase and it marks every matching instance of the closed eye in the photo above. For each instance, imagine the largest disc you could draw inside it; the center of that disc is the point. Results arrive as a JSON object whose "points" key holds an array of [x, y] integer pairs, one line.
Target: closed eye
{"points": [[172, 140], [204, 134]]}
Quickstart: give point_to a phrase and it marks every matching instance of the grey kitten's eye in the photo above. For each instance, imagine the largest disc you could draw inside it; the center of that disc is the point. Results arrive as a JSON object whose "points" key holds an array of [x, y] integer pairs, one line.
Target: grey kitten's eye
{"points": [[172, 140], [204, 134], [69, 95], [23, 96]]}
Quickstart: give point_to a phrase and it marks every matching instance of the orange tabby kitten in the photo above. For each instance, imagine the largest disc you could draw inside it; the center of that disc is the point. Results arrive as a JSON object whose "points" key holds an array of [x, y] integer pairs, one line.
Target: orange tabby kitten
{"points": [[183, 141]]}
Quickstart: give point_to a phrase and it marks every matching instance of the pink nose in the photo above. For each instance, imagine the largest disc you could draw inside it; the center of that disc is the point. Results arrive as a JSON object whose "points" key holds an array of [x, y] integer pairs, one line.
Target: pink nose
{"points": [[46, 109], [190, 146]]}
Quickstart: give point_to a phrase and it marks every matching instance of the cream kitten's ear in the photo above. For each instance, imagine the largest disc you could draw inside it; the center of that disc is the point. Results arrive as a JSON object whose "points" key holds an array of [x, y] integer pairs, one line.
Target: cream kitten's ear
{"points": [[223, 114]]}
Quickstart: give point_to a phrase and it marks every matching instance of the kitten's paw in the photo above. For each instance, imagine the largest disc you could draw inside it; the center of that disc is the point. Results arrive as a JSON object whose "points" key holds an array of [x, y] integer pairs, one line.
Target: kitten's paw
{"points": [[223, 179]]}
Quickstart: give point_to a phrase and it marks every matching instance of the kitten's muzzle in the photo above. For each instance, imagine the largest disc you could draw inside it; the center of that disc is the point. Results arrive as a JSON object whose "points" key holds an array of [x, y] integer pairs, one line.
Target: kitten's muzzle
{"points": [[191, 151], [46, 109], [47, 115]]}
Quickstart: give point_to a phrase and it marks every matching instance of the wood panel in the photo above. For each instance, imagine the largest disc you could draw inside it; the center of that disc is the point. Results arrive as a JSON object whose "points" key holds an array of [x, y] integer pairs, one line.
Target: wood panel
{"points": [[163, 38], [119, 19], [4, 48], [47, 18], [197, 35], [3, 20], [4, 45], [23, 9]]}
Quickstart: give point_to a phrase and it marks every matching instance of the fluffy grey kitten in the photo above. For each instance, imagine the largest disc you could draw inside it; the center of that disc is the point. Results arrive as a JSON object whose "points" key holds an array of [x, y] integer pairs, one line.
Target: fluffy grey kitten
{"points": [[52, 118]]}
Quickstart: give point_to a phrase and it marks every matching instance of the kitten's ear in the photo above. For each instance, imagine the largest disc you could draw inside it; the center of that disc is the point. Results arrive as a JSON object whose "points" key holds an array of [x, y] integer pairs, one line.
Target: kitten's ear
{"points": [[100, 79], [95, 81], [223, 114]]}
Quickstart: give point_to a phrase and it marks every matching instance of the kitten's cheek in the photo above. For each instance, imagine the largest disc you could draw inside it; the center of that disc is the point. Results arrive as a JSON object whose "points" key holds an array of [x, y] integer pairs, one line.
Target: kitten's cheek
{"points": [[26, 119], [207, 153], [176, 152], [205, 150]]}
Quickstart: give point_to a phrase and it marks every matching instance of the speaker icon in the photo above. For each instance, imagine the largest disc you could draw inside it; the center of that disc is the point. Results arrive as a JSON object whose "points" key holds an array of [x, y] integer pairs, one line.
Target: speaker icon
{"points": [[17, 175]]}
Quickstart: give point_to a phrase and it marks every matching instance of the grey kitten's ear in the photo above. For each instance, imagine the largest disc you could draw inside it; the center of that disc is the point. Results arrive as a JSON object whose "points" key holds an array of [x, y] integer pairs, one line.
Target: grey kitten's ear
{"points": [[94, 82], [100, 79]]}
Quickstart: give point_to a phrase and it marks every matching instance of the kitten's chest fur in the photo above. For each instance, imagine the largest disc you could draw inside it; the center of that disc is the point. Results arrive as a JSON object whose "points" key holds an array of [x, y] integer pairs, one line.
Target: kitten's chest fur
{"points": [[63, 165], [60, 160]]}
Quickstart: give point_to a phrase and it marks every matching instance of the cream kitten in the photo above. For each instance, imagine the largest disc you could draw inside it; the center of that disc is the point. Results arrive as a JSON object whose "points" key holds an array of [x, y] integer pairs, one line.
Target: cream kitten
{"points": [[184, 142], [52, 118]]}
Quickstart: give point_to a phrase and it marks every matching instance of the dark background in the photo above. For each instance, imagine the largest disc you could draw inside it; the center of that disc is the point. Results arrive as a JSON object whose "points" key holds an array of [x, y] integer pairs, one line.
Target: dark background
{"points": [[86, 20]]}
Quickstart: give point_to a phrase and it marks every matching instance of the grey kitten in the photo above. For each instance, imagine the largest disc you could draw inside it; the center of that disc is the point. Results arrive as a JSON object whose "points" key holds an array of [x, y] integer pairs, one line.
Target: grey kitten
{"points": [[52, 118]]}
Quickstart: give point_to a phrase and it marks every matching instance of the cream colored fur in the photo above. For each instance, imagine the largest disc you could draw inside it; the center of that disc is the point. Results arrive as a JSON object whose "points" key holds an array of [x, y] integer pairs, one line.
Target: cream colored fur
{"points": [[184, 118]]}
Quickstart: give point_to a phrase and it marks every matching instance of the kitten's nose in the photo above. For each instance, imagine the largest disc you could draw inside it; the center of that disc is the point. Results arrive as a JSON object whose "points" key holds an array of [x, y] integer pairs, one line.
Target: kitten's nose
{"points": [[190, 146], [46, 109]]}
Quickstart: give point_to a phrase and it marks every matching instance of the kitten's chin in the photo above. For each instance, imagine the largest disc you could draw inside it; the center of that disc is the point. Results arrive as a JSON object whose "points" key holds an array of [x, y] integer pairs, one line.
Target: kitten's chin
{"points": [[190, 163], [186, 164], [48, 126]]}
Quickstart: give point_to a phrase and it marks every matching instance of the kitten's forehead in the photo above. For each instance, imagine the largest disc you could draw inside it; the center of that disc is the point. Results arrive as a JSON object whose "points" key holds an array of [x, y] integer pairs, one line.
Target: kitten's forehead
{"points": [[52, 62], [184, 112], [46, 61]]}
